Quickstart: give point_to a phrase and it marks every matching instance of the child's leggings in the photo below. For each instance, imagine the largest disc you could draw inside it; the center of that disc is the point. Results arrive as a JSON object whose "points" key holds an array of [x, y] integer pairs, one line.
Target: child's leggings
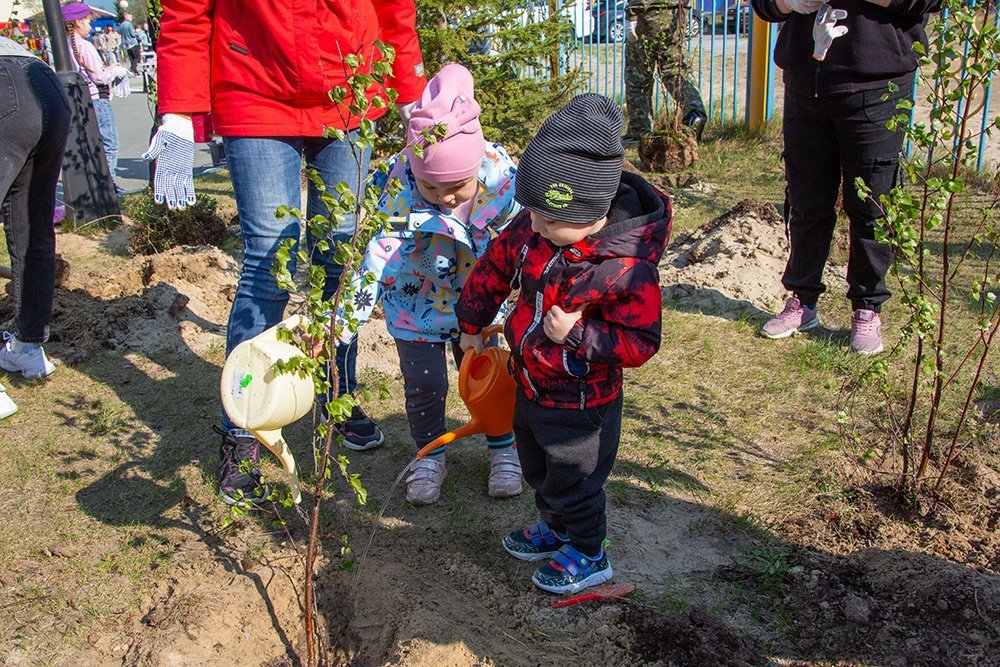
{"points": [[425, 387]]}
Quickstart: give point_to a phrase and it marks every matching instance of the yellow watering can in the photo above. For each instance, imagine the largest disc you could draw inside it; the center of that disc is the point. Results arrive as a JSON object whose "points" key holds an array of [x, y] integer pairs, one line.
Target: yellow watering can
{"points": [[259, 399]]}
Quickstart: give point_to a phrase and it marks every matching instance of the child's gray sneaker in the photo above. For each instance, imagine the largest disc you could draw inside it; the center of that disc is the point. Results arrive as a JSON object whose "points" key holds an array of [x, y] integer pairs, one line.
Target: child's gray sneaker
{"points": [[423, 486], [505, 473], [794, 317], [28, 359]]}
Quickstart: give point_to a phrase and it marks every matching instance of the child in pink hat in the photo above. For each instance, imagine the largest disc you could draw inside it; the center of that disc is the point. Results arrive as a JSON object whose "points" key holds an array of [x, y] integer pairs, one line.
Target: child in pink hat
{"points": [[454, 198]]}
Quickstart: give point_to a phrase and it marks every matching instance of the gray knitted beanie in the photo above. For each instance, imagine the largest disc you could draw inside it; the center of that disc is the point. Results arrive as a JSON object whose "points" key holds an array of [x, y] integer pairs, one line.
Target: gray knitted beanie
{"points": [[571, 169]]}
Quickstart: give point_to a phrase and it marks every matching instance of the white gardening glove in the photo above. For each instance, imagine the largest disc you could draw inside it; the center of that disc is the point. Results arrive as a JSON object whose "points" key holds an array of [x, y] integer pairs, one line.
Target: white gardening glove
{"points": [[630, 34], [825, 30], [173, 149], [404, 110], [804, 6]]}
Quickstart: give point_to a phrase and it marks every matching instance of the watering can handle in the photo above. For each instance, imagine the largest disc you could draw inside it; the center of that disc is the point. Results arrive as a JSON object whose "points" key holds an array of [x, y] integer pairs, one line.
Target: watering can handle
{"points": [[471, 354]]}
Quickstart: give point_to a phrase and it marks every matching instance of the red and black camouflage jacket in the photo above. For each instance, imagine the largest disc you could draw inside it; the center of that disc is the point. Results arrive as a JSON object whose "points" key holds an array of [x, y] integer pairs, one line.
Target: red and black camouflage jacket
{"points": [[612, 274]]}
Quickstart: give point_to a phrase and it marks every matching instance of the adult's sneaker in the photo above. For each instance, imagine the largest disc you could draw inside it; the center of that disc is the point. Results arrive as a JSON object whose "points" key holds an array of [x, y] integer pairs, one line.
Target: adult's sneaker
{"points": [[696, 121], [360, 432], [239, 469], [536, 542], [793, 318], [866, 332], [28, 359], [7, 404], [570, 571]]}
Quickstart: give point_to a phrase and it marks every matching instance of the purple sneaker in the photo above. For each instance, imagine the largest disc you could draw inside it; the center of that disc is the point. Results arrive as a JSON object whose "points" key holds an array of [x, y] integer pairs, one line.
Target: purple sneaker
{"points": [[360, 431], [793, 318], [866, 332], [239, 469]]}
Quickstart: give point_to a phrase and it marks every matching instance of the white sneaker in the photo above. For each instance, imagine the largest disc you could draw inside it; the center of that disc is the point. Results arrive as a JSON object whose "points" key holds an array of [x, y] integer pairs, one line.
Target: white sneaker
{"points": [[26, 358], [505, 473], [423, 486], [7, 404]]}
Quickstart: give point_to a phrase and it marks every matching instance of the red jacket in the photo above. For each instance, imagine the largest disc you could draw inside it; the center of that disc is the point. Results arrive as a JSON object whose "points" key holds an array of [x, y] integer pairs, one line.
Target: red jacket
{"points": [[265, 67], [612, 273]]}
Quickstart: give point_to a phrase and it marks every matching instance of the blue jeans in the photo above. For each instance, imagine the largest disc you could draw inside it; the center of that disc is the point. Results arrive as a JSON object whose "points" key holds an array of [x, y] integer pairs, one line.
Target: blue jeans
{"points": [[109, 133], [266, 174]]}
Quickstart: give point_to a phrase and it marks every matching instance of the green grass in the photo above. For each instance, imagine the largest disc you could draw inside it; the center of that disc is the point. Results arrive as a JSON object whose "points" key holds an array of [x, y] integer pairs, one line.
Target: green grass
{"points": [[114, 455]]}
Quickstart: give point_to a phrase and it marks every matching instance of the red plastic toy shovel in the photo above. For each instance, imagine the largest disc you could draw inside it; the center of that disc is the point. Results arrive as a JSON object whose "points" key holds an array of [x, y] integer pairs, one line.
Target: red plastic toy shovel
{"points": [[612, 592]]}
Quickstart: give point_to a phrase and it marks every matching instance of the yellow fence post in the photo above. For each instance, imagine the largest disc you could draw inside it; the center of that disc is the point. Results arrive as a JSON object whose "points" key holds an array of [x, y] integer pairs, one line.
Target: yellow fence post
{"points": [[760, 64]]}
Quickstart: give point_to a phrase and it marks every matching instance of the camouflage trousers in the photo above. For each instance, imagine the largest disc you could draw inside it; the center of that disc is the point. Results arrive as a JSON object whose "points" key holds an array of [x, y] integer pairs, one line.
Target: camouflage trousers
{"points": [[658, 51]]}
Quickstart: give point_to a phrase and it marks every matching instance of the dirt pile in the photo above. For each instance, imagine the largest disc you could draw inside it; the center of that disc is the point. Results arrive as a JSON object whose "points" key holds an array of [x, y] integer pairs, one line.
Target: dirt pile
{"points": [[175, 300], [732, 266], [690, 637], [892, 607]]}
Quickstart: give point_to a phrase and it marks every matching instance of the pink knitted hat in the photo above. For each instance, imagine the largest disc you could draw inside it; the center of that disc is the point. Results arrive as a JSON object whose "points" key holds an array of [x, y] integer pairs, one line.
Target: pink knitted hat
{"points": [[448, 99]]}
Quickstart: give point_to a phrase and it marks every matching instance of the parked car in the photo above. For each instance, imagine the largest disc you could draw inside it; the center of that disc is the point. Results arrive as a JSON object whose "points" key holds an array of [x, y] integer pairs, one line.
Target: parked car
{"points": [[609, 20], [726, 16], [577, 12]]}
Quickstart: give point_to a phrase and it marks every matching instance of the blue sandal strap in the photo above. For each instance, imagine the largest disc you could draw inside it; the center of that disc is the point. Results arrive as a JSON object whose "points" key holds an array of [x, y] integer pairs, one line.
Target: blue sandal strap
{"points": [[540, 532]]}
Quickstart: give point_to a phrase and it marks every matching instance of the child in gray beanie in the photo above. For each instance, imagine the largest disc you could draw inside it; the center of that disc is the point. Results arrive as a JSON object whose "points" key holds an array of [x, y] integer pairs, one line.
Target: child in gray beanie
{"points": [[583, 253]]}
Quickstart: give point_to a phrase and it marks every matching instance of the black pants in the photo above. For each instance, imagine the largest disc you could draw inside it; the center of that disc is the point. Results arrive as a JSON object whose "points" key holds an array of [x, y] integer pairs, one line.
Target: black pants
{"points": [[134, 57], [566, 457], [34, 125], [829, 141]]}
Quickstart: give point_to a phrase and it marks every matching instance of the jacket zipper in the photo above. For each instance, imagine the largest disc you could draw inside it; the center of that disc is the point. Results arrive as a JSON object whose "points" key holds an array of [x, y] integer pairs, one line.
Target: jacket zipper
{"points": [[515, 280], [537, 315], [580, 378]]}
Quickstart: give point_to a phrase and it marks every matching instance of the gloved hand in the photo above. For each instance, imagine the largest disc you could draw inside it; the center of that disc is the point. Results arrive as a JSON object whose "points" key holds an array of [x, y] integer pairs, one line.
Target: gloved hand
{"points": [[404, 110], [630, 34], [825, 30], [805, 6], [173, 149]]}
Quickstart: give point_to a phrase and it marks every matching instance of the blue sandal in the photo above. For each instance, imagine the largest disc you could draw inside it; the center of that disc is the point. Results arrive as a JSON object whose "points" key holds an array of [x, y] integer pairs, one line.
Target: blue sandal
{"points": [[535, 542], [570, 571]]}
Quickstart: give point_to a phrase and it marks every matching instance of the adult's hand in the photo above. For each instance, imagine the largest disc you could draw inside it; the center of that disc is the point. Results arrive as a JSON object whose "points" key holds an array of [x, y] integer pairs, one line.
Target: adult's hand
{"points": [[173, 149], [802, 6], [825, 30]]}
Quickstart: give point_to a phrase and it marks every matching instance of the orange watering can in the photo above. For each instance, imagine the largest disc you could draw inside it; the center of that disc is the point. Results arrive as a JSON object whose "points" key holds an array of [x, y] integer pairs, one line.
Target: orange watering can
{"points": [[487, 388]]}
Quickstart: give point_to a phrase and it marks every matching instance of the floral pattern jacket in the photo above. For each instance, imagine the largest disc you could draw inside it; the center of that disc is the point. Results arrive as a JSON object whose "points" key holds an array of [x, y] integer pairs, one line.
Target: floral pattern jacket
{"points": [[422, 263]]}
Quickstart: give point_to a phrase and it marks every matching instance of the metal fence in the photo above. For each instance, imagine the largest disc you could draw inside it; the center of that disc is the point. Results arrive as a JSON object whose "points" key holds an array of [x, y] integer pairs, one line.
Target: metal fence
{"points": [[717, 49], [719, 35]]}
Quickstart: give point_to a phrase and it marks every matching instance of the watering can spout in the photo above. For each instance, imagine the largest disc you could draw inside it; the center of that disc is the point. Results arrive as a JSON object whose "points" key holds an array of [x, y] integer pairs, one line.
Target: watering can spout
{"points": [[274, 441], [471, 428], [487, 388]]}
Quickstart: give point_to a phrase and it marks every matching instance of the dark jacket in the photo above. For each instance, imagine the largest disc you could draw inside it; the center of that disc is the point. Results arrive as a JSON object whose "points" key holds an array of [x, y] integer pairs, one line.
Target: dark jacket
{"points": [[877, 48], [612, 274]]}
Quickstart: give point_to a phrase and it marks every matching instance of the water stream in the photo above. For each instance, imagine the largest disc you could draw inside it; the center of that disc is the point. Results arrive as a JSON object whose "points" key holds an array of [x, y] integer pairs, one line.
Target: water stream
{"points": [[378, 521]]}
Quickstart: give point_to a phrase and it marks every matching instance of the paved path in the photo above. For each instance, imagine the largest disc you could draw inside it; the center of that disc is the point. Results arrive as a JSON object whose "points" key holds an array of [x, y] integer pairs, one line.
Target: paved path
{"points": [[134, 124]]}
